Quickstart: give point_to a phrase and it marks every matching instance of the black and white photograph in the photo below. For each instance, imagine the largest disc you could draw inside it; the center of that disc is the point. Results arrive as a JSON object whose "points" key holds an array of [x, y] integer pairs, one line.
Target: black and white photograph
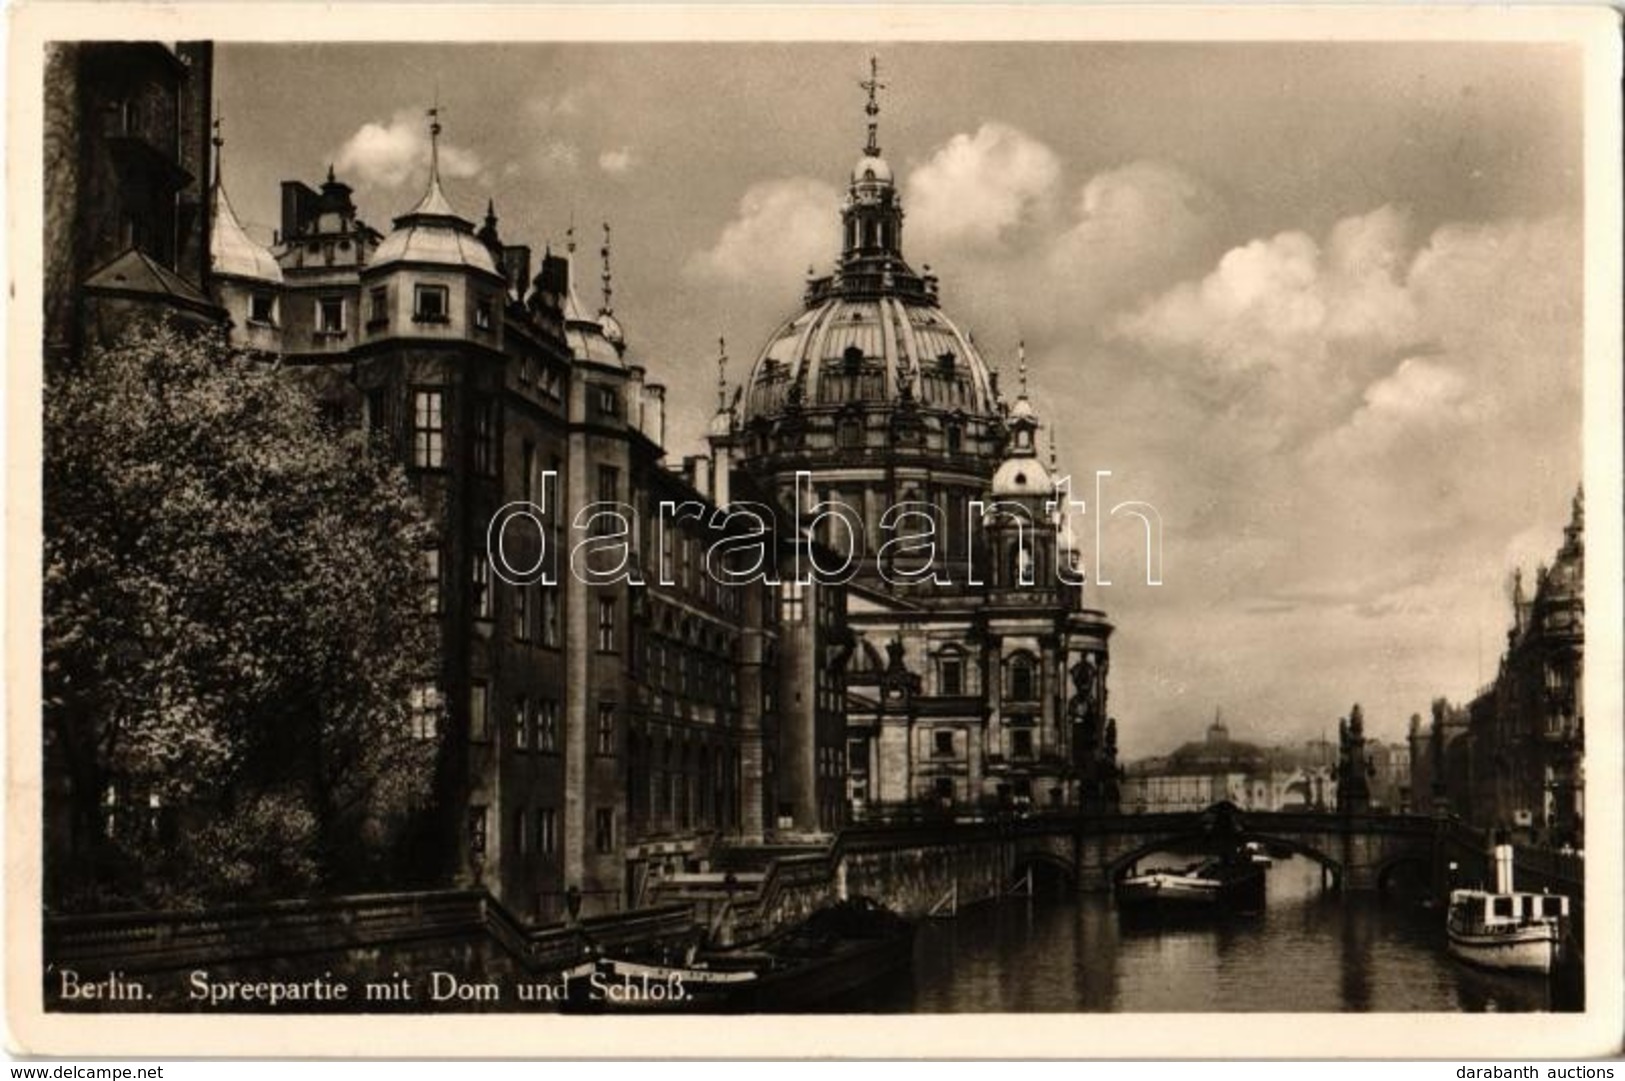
{"points": [[554, 514]]}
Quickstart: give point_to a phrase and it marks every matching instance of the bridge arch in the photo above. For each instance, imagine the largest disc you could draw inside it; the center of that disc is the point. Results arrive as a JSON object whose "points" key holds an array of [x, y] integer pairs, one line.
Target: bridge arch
{"points": [[1051, 873], [1199, 841], [1416, 860]]}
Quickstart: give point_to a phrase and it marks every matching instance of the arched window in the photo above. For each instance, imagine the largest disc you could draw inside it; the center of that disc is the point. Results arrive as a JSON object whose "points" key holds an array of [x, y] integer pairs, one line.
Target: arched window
{"points": [[1021, 570], [1023, 679]]}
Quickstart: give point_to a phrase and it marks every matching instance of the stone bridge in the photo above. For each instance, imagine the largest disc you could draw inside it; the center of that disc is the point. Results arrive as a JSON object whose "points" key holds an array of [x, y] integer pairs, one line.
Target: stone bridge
{"points": [[1356, 852]]}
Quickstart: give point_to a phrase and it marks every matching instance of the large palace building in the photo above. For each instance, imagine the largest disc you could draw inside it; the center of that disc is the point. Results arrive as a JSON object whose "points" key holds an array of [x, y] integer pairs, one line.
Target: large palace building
{"points": [[602, 734], [979, 674]]}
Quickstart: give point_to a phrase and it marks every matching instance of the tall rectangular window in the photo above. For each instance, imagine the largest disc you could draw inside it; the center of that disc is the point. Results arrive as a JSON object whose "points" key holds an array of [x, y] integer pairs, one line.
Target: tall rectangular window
{"points": [[547, 831], [550, 616], [482, 313], [527, 471], [428, 429], [425, 708], [606, 624], [952, 675], [604, 831], [373, 411], [606, 728], [330, 316], [521, 835], [609, 489], [547, 725], [793, 604], [431, 581], [377, 306], [485, 436], [479, 712], [521, 612], [521, 723], [480, 599]]}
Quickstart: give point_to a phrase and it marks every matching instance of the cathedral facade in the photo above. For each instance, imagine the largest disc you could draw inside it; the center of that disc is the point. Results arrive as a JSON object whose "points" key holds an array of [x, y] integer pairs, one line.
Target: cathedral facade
{"points": [[978, 673]]}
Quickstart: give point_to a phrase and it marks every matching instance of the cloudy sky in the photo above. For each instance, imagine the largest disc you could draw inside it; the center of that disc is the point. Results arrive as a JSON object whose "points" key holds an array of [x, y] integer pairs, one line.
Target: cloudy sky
{"points": [[1319, 304]]}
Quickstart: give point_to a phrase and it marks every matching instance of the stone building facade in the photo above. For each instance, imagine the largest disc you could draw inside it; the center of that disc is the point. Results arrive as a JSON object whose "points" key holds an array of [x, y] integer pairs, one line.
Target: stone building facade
{"points": [[1513, 759]]}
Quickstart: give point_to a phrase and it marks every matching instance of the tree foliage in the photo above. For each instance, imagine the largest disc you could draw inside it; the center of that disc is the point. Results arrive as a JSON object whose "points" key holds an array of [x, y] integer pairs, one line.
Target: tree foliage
{"points": [[232, 630]]}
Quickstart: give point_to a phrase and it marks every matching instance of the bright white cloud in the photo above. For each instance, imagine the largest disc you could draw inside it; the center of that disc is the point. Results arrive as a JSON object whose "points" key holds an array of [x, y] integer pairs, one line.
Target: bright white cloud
{"points": [[389, 155], [780, 228], [616, 161], [977, 188]]}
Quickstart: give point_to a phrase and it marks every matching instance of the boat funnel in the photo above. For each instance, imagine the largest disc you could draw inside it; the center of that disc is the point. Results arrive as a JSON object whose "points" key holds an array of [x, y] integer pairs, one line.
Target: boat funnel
{"points": [[1503, 868]]}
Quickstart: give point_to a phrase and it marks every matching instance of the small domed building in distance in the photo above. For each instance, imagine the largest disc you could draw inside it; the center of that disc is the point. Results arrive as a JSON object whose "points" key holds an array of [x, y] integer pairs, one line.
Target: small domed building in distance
{"points": [[977, 679]]}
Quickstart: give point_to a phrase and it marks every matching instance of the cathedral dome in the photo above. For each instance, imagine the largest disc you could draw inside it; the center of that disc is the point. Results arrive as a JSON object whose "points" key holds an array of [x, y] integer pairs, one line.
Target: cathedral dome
{"points": [[847, 347]]}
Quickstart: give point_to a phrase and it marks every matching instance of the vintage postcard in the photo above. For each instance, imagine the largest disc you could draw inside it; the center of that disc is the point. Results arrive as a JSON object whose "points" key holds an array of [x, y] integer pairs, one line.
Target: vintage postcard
{"points": [[748, 531]]}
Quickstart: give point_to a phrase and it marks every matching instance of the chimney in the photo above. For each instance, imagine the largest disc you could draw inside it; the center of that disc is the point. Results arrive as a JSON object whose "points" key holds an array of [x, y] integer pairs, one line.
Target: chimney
{"points": [[637, 399], [655, 415], [1503, 868], [516, 267]]}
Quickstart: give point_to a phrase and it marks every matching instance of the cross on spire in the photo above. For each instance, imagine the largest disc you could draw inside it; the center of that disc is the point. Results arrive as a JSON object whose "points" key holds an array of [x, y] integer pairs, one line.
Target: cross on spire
{"points": [[873, 84]]}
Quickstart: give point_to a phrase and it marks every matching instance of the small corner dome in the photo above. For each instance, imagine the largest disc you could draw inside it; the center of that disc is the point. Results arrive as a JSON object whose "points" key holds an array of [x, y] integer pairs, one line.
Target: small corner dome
{"points": [[1022, 410], [870, 169], [433, 233], [1023, 477]]}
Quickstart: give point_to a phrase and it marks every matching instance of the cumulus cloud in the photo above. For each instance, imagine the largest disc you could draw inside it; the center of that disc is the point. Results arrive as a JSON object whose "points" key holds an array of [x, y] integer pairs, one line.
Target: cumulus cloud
{"points": [[388, 155], [556, 156], [977, 188], [616, 161], [550, 108], [779, 228], [1134, 228]]}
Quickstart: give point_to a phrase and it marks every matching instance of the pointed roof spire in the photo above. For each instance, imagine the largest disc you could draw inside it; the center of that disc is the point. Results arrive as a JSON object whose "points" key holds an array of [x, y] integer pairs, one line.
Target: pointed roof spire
{"points": [[434, 200], [491, 212], [606, 277], [722, 374], [331, 179], [219, 141], [232, 252], [873, 84]]}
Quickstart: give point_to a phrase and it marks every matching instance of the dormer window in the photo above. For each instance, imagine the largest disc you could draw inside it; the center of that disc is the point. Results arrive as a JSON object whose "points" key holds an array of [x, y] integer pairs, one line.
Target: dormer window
{"points": [[431, 304], [852, 359], [330, 316], [262, 308]]}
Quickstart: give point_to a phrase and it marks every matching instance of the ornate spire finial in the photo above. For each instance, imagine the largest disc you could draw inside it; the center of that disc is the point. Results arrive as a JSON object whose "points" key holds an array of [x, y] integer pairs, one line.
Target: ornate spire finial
{"points": [[219, 141], [434, 139], [1021, 365], [722, 373], [1051, 434], [873, 84], [570, 235], [604, 275]]}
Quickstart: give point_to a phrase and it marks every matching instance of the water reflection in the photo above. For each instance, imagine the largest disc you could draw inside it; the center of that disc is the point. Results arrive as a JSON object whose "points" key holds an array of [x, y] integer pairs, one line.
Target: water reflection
{"points": [[1307, 952]]}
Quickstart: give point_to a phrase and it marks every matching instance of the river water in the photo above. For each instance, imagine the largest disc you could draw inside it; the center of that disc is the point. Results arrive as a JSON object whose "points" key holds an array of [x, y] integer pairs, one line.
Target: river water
{"points": [[1309, 951]]}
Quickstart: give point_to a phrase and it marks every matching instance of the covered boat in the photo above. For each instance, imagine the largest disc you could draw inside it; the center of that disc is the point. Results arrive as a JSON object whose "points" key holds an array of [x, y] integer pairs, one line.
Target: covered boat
{"points": [[835, 952], [1212, 884], [1507, 930]]}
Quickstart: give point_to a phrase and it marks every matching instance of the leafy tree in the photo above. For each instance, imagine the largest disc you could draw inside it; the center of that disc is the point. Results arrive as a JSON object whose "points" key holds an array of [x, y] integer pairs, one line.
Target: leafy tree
{"points": [[232, 631]]}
